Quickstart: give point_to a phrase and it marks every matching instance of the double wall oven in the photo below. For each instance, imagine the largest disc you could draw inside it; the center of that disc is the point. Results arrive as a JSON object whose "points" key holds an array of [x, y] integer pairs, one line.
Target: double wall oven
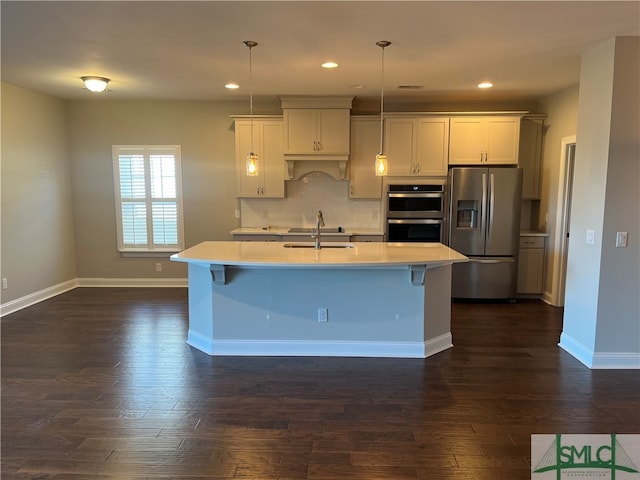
{"points": [[415, 213]]}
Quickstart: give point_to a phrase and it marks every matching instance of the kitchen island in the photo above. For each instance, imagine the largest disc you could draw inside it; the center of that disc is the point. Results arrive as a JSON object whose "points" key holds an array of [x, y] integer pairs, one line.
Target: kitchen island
{"points": [[373, 299]]}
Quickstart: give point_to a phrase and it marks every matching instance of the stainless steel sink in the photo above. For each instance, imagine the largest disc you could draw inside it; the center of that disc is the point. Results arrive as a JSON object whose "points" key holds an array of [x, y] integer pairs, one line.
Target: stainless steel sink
{"points": [[322, 246], [311, 230]]}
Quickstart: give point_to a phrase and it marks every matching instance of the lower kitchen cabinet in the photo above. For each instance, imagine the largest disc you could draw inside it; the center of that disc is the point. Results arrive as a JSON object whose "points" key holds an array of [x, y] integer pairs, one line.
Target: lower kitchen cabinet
{"points": [[326, 237], [252, 237], [367, 238], [531, 265]]}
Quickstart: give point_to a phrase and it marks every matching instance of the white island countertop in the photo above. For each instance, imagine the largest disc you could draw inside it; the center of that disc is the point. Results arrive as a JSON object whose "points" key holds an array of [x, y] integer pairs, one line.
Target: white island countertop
{"points": [[331, 254]]}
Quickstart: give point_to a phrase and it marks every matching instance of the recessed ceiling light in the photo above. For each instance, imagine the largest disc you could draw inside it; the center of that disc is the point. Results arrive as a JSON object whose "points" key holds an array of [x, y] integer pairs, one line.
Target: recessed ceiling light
{"points": [[357, 86], [485, 85], [329, 65], [232, 86]]}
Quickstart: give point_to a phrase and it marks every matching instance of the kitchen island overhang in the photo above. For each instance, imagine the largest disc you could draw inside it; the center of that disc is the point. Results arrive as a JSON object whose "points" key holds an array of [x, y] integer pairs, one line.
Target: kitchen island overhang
{"points": [[371, 299]]}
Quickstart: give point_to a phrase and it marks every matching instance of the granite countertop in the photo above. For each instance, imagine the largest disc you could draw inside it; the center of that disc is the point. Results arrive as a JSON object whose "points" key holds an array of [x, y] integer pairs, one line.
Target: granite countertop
{"points": [[275, 254]]}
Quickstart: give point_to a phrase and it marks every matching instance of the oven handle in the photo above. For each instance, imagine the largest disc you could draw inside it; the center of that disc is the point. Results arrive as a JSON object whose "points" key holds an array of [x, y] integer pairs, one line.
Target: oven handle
{"points": [[420, 221], [416, 195]]}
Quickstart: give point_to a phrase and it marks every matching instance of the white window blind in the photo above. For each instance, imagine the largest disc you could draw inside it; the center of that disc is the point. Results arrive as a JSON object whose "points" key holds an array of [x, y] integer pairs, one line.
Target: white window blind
{"points": [[148, 190]]}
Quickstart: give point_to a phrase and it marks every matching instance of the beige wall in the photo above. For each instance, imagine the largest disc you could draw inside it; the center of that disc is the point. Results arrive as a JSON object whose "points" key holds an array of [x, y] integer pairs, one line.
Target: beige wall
{"points": [[562, 120], [203, 129], [37, 223], [602, 303]]}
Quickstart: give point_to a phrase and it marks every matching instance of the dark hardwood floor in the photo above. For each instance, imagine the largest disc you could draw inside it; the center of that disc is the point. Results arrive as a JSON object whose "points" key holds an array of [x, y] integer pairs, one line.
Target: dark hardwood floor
{"points": [[100, 384]]}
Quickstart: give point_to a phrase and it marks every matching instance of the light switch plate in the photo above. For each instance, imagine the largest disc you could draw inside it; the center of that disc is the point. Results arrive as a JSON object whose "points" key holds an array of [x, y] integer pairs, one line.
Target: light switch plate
{"points": [[591, 237], [621, 239]]}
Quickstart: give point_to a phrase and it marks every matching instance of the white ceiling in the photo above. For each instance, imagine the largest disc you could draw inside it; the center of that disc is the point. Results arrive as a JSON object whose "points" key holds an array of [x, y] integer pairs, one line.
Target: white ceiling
{"points": [[190, 50]]}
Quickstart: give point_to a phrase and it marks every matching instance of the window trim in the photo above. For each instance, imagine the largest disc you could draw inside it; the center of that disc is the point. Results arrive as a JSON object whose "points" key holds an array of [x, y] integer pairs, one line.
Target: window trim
{"points": [[150, 249]]}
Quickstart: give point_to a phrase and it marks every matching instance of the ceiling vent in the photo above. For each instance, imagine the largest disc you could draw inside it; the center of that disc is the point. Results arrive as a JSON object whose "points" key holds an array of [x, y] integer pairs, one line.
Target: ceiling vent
{"points": [[410, 87]]}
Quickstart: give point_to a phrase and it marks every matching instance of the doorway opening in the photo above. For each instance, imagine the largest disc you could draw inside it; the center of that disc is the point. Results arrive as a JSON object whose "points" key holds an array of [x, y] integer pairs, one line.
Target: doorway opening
{"points": [[563, 218]]}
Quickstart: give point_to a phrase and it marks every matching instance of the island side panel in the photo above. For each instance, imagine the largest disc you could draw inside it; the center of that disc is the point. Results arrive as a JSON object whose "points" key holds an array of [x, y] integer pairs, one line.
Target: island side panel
{"points": [[437, 308], [274, 311], [200, 333]]}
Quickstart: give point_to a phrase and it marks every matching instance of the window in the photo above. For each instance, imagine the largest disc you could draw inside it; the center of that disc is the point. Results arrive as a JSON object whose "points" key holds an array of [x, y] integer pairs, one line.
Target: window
{"points": [[148, 189]]}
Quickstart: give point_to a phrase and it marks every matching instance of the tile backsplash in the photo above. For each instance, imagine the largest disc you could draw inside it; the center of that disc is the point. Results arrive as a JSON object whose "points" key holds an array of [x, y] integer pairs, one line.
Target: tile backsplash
{"points": [[304, 197]]}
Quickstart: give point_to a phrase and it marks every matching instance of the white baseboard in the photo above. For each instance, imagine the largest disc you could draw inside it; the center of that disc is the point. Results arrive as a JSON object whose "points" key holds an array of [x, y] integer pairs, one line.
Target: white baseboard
{"points": [[132, 282], [36, 297], [599, 360], [320, 348]]}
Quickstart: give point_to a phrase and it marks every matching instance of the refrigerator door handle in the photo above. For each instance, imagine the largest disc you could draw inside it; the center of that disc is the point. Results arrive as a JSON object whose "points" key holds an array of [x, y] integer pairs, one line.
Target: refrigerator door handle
{"points": [[492, 189], [483, 216], [492, 260]]}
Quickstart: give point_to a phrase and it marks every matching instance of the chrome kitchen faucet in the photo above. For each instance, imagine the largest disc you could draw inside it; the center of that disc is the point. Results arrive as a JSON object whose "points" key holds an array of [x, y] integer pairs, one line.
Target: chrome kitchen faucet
{"points": [[319, 223]]}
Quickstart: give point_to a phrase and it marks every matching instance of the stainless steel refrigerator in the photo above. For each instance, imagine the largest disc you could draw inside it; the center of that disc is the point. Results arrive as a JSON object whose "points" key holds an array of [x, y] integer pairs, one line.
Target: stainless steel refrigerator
{"points": [[484, 224]]}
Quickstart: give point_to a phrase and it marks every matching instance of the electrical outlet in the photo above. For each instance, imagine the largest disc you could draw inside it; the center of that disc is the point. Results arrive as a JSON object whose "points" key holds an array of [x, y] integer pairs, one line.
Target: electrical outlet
{"points": [[237, 213], [158, 267], [621, 239], [323, 314], [5, 284]]}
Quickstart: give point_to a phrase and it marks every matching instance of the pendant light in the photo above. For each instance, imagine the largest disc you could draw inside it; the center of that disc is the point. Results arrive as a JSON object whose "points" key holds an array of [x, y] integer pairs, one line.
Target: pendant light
{"points": [[381, 158], [252, 158]]}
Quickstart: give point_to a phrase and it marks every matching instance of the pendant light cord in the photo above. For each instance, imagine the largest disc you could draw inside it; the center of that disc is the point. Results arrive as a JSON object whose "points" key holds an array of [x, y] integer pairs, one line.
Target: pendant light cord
{"points": [[382, 44], [250, 44], [251, 95], [382, 100]]}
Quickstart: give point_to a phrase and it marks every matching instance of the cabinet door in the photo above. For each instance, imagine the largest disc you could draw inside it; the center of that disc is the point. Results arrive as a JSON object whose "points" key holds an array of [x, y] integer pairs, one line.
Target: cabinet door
{"points": [[300, 131], [365, 143], [530, 156], [272, 159], [530, 270], [247, 186], [267, 144], [503, 134], [333, 131], [399, 145], [432, 148], [466, 141]]}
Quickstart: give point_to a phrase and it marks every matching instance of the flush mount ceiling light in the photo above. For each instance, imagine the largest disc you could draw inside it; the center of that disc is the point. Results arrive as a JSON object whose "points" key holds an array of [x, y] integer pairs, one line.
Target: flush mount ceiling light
{"points": [[381, 158], [329, 65], [485, 85], [252, 158], [95, 84]]}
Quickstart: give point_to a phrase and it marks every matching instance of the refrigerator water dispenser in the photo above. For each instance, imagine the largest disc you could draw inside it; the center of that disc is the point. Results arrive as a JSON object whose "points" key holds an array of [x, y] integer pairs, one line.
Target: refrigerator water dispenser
{"points": [[467, 214]]}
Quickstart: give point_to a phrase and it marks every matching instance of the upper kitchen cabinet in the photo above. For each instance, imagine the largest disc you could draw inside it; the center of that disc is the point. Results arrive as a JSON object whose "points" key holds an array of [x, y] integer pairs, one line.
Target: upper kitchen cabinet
{"points": [[317, 132], [417, 146], [316, 127], [267, 144], [530, 157], [365, 143], [484, 140]]}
